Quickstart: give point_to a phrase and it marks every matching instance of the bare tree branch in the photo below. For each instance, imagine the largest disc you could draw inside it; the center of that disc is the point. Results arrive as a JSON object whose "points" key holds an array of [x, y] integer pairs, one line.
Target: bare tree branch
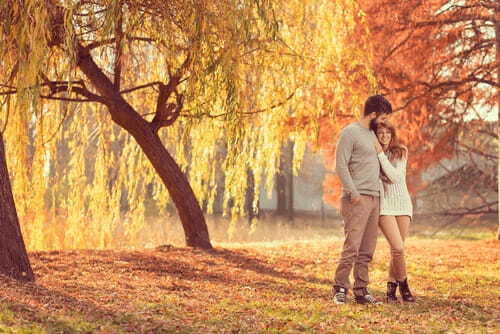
{"points": [[129, 90], [109, 41]]}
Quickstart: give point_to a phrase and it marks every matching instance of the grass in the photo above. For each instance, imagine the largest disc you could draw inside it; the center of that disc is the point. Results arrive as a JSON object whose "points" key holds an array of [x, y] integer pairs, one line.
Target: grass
{"points": [[281, 287], [270, 228]]}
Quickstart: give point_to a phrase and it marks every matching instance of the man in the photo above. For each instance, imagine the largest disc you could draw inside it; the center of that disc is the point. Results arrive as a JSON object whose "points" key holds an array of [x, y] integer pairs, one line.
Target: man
{"points": [[358, 168]]}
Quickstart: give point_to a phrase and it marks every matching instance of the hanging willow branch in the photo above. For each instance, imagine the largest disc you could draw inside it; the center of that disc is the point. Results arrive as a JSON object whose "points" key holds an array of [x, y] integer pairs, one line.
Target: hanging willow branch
{"points": [[221, 75]]}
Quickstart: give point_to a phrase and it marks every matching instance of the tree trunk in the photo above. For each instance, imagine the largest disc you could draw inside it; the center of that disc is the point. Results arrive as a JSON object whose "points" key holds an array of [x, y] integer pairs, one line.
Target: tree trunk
{"points": [[284, 183], [290, 187], [322, 209], [497, 37], [249, 198], [123, 114], [190, 213], [281, 191], [14, 260]]}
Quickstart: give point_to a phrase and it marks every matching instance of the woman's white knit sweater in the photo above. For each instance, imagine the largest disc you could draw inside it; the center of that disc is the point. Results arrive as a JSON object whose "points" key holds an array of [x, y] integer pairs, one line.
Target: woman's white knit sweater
{"points": [[394, 197]]}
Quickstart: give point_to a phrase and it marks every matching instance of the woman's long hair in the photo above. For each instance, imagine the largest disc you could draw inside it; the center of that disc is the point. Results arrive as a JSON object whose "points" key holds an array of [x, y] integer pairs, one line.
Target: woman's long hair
{"points": [[394, 151]]}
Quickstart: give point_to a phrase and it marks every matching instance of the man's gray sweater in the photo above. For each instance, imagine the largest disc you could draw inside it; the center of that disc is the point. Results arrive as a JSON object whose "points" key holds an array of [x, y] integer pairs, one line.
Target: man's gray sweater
{"points": [[357, 163]]}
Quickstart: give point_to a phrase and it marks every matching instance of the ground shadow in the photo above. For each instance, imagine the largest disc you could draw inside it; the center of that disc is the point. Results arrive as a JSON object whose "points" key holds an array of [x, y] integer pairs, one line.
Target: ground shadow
{"points": [[55, 306]]}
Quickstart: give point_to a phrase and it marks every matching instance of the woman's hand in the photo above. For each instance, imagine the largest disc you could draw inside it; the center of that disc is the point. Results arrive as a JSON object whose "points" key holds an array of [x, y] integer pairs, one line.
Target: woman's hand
{"points": [[378, 147]]}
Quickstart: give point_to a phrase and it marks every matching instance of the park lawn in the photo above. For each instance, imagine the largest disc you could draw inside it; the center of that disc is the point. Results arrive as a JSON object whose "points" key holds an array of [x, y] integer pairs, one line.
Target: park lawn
{"points": [[251, 288]]}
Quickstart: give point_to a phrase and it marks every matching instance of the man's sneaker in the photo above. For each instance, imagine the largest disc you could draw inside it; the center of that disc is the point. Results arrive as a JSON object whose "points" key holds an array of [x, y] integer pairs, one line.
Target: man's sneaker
{"points": [[339, 295], [364, 297]]}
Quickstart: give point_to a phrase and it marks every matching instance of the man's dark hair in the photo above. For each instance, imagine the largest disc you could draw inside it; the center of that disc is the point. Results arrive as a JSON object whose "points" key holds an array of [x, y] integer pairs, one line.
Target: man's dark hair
{"points": [[378, 104]]}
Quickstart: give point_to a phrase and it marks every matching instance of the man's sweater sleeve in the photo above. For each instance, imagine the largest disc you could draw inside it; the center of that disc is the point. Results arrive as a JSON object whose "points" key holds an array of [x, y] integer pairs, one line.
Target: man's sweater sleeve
{"points": [[343, 154]]}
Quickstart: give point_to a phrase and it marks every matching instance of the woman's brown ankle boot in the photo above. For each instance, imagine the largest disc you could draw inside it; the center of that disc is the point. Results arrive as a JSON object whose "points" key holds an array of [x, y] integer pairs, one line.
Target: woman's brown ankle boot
{"points": [[391, 292], [404, 289]]}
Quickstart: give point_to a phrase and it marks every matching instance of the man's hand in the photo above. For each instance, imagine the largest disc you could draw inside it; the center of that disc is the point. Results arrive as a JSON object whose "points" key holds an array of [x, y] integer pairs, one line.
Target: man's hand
{"points": [[378, 147], [355, 199]]}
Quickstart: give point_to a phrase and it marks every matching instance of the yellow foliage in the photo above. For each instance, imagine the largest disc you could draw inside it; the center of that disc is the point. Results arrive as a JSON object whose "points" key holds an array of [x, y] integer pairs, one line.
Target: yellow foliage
{"points": [[253, 68]]}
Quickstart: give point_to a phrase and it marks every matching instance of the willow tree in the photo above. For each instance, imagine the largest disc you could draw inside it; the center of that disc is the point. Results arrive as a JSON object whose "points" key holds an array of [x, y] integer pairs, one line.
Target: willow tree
{"points": [[14, 260], [211, 74]]}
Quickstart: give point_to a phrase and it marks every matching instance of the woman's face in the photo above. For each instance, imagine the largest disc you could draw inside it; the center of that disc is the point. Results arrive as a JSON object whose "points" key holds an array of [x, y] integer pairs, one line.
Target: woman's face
{"points": [[384, 136]]}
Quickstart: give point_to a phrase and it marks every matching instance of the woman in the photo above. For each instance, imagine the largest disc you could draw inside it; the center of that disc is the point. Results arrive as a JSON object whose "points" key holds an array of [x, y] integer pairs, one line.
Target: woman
{"points": [[395, 207]]}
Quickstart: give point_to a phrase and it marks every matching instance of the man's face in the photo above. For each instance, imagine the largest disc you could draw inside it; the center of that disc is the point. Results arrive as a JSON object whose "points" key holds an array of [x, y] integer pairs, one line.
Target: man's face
{"points": [[382, 117], [378, 118]]}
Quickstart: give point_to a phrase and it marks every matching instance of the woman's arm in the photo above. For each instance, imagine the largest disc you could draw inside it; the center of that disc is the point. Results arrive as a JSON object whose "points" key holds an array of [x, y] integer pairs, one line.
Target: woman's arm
{"points": [[395, 173]]}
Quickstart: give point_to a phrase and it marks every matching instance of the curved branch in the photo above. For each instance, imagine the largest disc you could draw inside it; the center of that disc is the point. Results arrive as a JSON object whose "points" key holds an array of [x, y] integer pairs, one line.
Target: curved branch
{"points": [[82, 90], [97, 44], [129, 90], [68, 99], [248, 113]]}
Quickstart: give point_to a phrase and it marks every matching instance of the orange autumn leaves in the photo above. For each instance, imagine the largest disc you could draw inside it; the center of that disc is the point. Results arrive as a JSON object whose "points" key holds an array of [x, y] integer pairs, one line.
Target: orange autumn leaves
{"points": [[435, 62], [279, 288]]}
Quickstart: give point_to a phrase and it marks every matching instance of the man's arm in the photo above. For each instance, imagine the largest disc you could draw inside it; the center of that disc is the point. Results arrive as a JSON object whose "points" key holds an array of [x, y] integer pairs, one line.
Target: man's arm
{"points": [[343, 153]]}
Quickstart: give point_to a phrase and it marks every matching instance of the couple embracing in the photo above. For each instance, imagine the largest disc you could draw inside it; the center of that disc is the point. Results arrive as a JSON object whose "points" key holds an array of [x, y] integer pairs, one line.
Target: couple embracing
{"points": [[371, 165]]}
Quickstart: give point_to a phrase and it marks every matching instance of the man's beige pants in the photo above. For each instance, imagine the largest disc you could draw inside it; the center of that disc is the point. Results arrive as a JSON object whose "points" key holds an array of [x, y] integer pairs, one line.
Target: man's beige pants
{"points": [[361, 229]]}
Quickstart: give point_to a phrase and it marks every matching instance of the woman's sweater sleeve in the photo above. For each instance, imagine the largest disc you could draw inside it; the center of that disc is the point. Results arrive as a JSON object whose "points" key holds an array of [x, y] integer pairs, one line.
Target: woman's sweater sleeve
{"points": [[395, 173]]}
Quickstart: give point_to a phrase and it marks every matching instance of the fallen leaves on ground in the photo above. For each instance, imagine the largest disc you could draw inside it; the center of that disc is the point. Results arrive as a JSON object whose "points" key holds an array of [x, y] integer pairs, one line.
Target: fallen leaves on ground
{"points": [[268, 288]]}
